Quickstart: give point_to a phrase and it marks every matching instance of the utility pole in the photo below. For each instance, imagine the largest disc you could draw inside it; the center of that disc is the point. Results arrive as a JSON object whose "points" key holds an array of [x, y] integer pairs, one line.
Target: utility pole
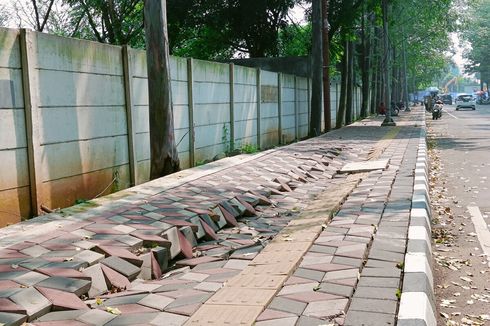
{"points": [[317, 67], [388, 121], [326, 67], [163, 156]]}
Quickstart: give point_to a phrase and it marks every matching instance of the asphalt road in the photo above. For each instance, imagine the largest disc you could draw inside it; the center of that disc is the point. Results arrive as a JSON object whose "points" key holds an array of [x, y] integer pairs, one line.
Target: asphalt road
{"points": [[460, 175]]}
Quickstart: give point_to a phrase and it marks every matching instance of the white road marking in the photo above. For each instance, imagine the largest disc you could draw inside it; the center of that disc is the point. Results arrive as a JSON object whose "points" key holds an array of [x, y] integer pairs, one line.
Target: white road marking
{"points": [[455, 117], [481, 230]]}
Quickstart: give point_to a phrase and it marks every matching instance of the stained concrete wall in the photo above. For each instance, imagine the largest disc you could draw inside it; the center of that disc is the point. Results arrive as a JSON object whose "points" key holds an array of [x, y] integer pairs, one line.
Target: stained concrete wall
{"points": [[14, 174], [85, 130]]}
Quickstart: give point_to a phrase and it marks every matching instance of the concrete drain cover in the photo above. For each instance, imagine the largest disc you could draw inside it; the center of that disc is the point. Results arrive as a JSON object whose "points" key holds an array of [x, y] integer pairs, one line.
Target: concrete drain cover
{"points": [[364, 166]]}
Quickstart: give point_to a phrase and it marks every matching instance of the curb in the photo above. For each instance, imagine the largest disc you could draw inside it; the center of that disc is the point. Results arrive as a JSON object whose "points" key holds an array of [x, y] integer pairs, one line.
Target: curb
{"points": [[417, 303]]}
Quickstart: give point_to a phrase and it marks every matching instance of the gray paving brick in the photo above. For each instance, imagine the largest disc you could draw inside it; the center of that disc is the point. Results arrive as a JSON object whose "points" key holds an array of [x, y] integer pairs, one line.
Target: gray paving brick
{"points": [[62, 315], [121, 266], [32, 301], [133, 319], [168, 319], [386, 255], [89, 256], [310, 321], [309, 274], [381, 272], [287, 305], [98, 285], [337, 289], [189, 235], [363, 318], [387, 282], [96, 317], [373, 305], [12, 319], [376, 293], [76, 286], [30, 278]]}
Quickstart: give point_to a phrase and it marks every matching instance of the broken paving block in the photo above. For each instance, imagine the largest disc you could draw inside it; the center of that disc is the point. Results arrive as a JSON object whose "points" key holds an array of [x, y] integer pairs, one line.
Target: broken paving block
{"points": [[98, 285], [156, 271], [221, 220], [119, 252], [122, 266], [187, 232], [249, 198], [249, 209], [209, 232], [62, 300], [182, 223], [145, 273], [149, 240], [230, 219], [200, 230], [114, 279], [172, 235], [162, 255], [185, 245], [209, 222], [229, 208], [237, 206]]}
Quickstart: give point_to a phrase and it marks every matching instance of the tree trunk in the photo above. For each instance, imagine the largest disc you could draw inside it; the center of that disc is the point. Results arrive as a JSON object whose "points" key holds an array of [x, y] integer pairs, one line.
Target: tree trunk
{"points": [[343, 88], [326, 68], [316, 83], [365, 70], [164, 156], [388, 121], [350, 84]]}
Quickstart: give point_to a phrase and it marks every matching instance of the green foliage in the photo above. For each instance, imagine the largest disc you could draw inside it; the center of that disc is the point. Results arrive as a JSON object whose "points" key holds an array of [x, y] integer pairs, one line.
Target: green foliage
{"points": [[217, 29], [476, 26], [115, 22], [398, 293], [226, 138], [295, 40], [249, 149]]}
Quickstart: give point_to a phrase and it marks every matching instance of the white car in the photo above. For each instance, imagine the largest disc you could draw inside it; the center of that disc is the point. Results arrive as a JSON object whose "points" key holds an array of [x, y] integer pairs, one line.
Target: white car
{"points": [[465, 101]]}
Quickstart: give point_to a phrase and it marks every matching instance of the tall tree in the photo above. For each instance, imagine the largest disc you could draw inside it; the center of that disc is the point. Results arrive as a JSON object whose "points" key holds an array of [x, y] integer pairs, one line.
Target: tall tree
{"points": [[317, 67], [164, 156], [326, 66], [33, 13], [343, 87], [388, 121]]}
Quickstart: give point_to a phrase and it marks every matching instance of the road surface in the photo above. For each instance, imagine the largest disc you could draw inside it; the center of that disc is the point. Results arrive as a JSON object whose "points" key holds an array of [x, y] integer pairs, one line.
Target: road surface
{"points": [[460, 168]]}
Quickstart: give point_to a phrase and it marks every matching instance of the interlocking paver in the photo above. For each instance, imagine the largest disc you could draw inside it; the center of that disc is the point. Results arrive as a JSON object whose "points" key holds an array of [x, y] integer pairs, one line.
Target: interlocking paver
{"points": [[291, 177], [76, 286], [32, 301]]}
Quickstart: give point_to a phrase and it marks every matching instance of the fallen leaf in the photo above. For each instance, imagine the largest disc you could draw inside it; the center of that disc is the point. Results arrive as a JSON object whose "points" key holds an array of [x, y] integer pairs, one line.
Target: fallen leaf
{"points": [[113, 311]]}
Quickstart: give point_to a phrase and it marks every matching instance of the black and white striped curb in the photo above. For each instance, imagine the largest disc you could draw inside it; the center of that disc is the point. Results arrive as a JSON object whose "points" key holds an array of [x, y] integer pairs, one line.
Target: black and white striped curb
{"points": [[417, 304]]}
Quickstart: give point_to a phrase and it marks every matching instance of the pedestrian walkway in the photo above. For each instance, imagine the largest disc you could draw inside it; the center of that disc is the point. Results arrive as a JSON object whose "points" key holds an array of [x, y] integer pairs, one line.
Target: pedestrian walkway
{"points": [[283, 237]]}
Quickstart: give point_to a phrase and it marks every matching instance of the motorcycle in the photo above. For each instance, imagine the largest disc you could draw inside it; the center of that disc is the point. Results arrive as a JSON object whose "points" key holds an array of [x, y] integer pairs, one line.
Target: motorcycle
{"points": [[483, 101], [394, 110], [437, 112]]}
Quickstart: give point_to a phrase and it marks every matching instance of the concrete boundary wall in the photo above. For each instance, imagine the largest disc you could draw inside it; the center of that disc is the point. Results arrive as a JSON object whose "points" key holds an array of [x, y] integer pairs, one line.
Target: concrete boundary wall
{"points": [[417, 303], [74, 117]]}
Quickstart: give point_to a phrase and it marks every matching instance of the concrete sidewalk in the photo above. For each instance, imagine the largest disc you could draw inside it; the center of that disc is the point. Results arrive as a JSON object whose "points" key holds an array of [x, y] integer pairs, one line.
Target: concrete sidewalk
{"points": [[277, 238]]}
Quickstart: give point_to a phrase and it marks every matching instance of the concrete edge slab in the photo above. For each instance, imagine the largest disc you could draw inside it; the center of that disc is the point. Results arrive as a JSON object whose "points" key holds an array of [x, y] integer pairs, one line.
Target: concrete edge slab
{"points": [[417, 304]]}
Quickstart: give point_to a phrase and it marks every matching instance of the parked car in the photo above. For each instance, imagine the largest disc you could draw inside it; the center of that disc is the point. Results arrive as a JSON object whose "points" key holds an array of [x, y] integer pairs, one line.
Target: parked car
{"points": [[465, 101], [447, 99]]}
